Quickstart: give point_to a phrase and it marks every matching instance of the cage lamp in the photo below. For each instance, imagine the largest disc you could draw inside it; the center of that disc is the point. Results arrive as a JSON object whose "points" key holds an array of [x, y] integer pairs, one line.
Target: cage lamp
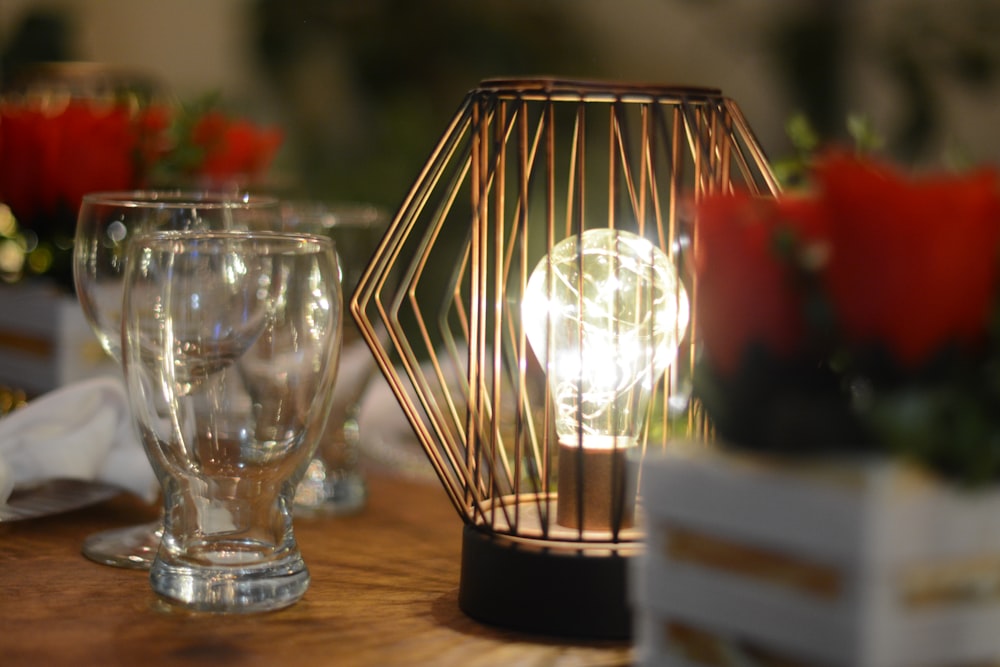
{"points": [[531, 308]]}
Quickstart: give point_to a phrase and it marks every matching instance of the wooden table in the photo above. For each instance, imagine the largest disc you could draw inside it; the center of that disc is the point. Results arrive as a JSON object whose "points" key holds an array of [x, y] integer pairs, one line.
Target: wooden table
{"points": [[384, 592]]}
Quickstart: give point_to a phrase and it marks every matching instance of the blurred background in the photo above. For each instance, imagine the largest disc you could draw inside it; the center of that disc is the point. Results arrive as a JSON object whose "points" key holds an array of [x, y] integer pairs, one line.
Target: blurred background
{"points": [[363, 90]]}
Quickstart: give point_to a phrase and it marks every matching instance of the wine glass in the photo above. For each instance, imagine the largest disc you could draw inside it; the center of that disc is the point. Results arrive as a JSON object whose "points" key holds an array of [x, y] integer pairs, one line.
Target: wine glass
{"points": [[334, 482], [230, 345], [105, 224]]}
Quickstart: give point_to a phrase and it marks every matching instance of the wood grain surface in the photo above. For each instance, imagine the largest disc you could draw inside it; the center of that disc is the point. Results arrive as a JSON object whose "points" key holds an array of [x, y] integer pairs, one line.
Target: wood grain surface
{"points": [[384, 592]]}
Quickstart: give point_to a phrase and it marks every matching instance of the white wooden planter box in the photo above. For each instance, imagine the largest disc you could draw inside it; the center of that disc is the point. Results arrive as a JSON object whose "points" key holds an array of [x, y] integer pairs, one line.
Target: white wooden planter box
{"points": [[45, 342], [853, 565]]}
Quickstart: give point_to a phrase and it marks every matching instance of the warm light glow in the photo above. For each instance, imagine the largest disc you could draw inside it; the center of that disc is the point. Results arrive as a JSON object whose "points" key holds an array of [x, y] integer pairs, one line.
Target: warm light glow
{"points": [[11, 257], [605, 324], [8, 225]]}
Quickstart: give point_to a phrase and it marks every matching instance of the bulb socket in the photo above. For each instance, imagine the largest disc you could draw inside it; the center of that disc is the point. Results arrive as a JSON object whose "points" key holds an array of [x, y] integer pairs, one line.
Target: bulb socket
{"points": [[596, 486]]}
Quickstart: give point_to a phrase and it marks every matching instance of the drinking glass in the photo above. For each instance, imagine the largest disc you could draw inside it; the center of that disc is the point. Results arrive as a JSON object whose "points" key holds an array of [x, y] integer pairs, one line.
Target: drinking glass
{"points": [[230, 345], [334, 482], [105, 224]]}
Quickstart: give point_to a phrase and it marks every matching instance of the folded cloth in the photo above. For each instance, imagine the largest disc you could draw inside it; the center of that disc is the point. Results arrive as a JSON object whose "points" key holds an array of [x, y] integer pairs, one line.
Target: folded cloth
{"points": [[388, 440], [82, 431]]}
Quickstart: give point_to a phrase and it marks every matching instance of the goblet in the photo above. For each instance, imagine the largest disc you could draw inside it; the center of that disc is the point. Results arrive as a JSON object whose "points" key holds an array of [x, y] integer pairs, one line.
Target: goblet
{"points": [[230, 345], [334, 482], [105, 224]]}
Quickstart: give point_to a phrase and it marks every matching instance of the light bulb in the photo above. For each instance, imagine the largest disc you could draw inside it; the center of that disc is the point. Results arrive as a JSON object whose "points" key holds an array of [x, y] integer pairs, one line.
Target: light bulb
{"points": [[604, 313]]}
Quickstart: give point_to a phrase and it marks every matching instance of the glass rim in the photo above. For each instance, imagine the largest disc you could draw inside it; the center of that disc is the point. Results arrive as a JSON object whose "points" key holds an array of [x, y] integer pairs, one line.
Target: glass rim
{"points": [[337, 214], [148, 239], [179, 198]]}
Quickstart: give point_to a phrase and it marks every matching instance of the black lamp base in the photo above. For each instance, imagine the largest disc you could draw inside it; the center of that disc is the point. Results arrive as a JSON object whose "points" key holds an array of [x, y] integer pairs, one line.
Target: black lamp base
{"points": [[543, 591]]}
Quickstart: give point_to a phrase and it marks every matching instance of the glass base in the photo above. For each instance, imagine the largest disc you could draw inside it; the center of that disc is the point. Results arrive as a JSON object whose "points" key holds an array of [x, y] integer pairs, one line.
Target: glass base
{"points": [[133, 547], [231, 589], [338, 492]]}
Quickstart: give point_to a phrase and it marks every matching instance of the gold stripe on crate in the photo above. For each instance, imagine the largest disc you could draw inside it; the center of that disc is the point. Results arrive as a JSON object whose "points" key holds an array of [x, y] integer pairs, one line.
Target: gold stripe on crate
{"points": [[768, 565], [39, 347], [708, 648], [926, 585]]}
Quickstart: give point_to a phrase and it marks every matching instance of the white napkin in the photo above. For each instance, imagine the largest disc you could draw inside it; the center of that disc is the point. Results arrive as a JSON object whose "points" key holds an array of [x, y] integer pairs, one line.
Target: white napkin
{"points": [[83, 431], [387, 436]]}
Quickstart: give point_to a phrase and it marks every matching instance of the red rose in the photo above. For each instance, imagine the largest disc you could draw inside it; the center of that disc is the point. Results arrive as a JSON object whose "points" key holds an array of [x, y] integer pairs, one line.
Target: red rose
{"points": [[744, 295], [234, 150], [95, 152], [22, 140], [153, 141], [49, 160], [914, 262], [209, 130]]}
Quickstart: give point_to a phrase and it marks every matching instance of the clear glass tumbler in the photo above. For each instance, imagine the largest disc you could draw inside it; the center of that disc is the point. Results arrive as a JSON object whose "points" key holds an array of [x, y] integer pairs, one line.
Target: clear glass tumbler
{"points": [[230, 347]]}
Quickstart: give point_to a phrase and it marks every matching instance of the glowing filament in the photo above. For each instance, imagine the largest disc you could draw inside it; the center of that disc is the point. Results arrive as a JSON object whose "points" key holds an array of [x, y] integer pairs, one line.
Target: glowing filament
{"points": [[604, 314]]}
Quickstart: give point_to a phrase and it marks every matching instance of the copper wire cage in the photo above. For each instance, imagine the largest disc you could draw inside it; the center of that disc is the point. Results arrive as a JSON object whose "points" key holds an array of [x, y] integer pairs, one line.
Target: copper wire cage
{"points": [[523, 165]]}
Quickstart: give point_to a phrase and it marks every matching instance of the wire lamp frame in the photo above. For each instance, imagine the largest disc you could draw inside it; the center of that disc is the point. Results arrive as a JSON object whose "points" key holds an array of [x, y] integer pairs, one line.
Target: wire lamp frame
{"points": [[524, 166]]}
